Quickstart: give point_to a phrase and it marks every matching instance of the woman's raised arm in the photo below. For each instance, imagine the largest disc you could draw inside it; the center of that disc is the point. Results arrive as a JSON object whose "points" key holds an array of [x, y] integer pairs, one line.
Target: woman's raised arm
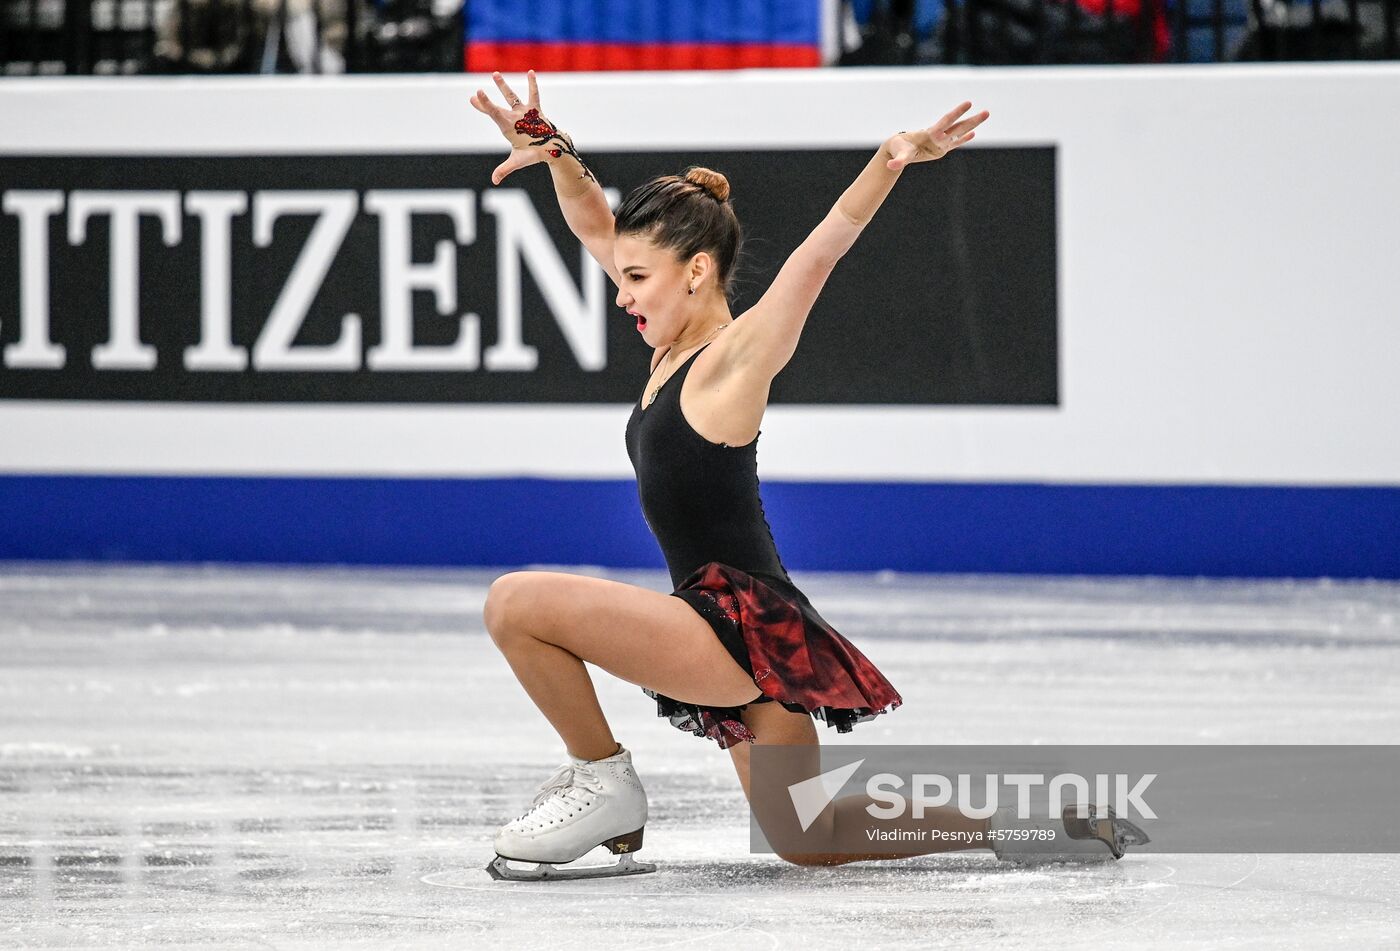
{"points": [[533, 138], [771, 328]]}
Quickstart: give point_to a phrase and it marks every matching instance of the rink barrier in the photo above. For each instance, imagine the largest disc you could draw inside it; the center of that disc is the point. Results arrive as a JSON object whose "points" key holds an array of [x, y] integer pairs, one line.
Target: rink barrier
{"points": [[1180, 397], [1190, 530]]}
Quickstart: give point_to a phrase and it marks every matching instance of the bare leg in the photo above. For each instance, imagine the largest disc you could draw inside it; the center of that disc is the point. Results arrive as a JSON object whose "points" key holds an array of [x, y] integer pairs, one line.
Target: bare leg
{"points": [[547, 624], [559, 684], [843, 824]]}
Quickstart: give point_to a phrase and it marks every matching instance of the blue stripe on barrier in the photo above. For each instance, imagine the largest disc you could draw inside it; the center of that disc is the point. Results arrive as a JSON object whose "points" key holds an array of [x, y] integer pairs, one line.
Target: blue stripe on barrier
{"points": [[646, 21], [1256, 531]]}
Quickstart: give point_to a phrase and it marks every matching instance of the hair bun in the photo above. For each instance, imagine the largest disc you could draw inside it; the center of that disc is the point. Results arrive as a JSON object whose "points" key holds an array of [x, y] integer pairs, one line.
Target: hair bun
{"points": [[710, 180]]}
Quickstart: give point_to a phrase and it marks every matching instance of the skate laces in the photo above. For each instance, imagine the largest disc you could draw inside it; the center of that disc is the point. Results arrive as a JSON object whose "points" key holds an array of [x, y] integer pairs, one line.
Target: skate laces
{"points": [[562, 791]]}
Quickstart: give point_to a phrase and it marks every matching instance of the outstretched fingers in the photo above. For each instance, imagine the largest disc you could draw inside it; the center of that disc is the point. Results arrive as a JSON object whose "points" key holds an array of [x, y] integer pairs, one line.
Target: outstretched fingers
{"points": [[483, 104], [534, 90], [512, 100], [944, 124], [965, 127]]}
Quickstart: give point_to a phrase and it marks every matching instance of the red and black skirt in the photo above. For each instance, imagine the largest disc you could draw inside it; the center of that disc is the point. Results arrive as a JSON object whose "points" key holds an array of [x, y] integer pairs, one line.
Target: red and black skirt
{"points": [[793, 655]]}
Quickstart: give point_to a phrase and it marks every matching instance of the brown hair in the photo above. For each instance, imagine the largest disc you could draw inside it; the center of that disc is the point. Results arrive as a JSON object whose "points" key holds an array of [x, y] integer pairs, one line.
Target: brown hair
{"points": [[686, 214]]}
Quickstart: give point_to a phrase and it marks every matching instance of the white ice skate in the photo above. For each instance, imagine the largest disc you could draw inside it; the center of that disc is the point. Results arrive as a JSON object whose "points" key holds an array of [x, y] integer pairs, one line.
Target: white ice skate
{"points": [[586, 803], [1097, 837]]}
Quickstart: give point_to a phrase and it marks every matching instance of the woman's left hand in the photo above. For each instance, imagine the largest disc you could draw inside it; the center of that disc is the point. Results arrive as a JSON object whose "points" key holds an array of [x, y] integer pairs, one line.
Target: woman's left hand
{"points": [[927, 145]]}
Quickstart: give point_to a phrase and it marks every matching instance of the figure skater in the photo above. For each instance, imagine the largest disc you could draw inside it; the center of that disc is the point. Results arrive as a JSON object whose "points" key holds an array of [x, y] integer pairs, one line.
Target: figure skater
{"points": [[735, 653]]}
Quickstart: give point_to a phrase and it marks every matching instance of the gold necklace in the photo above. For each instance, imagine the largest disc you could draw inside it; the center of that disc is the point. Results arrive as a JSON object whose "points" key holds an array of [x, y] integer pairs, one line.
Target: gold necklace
{"points": [[668, 363]]}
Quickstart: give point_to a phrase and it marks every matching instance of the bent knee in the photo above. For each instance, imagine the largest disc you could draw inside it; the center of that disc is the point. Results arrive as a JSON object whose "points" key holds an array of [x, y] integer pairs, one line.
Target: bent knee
{"points": [[506, 605]]}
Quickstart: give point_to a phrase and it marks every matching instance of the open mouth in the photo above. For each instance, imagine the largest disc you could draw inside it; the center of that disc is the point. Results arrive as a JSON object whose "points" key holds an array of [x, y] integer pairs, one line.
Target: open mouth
{"points": [[641, 322]]}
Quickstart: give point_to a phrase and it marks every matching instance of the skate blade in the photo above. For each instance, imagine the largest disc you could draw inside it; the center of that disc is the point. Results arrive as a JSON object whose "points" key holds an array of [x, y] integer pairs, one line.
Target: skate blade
{"points": [[1130, 833], [502, 871], [1105, 825]]}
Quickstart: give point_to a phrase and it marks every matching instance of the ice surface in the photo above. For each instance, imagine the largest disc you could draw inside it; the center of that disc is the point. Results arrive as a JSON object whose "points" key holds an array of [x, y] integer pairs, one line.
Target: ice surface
{"points": [[229, 758]]}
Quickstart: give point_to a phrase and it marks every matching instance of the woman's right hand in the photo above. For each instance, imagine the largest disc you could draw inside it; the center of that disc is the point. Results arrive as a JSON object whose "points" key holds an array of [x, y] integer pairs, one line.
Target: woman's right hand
{"points": [[532, 137]]}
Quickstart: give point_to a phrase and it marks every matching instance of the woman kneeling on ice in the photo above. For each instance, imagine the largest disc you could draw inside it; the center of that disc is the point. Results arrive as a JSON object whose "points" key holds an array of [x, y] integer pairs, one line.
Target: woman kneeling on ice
{"points": [[735, 652]]}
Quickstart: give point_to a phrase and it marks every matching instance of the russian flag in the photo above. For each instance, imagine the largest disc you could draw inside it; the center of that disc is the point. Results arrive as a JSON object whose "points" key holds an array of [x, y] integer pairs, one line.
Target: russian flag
{"points": [[578, 35]]}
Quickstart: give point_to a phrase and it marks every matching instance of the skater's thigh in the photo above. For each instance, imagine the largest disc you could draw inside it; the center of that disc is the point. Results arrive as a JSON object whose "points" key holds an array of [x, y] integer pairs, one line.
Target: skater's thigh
{"points": [[647, 638]]}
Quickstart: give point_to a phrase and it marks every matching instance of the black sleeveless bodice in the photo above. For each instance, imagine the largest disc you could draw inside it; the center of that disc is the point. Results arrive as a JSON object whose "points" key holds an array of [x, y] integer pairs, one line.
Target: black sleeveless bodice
{"points": [[700, 498]]}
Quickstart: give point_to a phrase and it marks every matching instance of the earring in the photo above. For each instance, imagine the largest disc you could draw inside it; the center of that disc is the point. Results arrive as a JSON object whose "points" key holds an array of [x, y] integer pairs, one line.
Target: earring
{"points": [[691, 291]]}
